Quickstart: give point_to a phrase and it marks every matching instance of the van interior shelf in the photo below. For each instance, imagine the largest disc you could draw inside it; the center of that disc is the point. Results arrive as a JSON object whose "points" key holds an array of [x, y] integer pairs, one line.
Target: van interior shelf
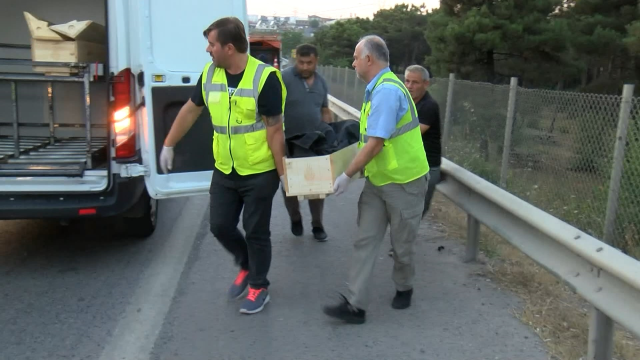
{"points": [[52, 154], [94, 70]]}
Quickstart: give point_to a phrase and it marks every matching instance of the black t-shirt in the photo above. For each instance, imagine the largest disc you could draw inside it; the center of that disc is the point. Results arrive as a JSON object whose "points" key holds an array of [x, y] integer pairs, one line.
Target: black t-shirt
{"points": [[429, 114], [269, 100]]}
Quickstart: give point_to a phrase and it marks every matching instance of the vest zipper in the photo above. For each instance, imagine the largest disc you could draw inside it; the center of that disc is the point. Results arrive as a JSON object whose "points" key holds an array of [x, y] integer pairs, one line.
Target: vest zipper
{"points": [[229, 132]]}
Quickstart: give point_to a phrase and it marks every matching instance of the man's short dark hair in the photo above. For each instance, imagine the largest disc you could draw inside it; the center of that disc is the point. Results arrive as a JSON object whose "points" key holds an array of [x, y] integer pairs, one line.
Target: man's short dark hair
{"points": [[230, 31], [306, 50]]}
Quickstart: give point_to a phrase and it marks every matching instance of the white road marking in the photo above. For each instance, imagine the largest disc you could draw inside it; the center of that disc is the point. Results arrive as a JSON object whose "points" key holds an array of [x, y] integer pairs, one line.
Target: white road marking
{"points": [[139, 327]]}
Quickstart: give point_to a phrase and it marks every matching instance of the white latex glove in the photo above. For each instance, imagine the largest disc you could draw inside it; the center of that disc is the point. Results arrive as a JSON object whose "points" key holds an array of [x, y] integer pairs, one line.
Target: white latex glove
{"points": [[166, 159], [282, 181], [341, 184]]}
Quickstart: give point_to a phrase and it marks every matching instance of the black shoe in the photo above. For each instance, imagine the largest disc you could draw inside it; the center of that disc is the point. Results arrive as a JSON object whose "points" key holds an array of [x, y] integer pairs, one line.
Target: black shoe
{"points": [[402, 300], [296, 228], [319, 234], [346, 312]]}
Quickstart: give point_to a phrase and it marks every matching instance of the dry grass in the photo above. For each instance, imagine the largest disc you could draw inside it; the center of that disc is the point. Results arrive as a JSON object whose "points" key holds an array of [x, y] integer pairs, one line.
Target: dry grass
{"points": [[557, 315]]}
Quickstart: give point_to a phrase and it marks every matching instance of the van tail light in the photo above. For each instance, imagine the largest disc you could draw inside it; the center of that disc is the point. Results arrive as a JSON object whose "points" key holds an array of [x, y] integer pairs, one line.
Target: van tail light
{"points": [[123, 118]]}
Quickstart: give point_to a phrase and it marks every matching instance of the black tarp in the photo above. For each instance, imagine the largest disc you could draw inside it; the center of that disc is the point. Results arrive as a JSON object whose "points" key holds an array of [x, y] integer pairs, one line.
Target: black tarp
{"points": [[338, 136]]}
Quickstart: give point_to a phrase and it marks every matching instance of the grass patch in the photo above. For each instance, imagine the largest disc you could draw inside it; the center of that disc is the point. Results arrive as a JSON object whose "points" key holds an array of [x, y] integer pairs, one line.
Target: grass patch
{"points": [[552, 310]]}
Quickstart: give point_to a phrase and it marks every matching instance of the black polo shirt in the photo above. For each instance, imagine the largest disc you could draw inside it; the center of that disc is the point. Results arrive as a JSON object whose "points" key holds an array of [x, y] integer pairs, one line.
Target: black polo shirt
{"points": [[429, 114]]}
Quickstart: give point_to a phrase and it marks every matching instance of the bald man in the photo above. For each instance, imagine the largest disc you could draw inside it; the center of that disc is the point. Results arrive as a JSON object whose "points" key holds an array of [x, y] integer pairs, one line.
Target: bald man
{"points": [[396, 171]]}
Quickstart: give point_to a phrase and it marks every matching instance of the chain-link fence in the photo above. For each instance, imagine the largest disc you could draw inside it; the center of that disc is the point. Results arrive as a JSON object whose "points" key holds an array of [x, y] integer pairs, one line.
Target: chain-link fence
{"points": [[560, 149]]}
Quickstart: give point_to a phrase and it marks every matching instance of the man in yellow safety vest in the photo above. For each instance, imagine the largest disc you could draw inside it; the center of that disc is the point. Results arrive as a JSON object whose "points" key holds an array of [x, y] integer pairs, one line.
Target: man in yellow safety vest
{"points": [[245, 98], [396, 170]]}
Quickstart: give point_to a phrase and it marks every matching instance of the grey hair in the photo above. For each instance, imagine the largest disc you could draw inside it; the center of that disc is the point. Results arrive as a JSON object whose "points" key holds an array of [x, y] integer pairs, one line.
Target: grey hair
{"points": [[417, 69], [374, 45]]}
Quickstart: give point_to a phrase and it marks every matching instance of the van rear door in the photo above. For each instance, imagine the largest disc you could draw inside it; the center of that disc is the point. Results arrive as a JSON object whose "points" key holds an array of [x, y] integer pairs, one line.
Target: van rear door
{"points": [[172, 63]]}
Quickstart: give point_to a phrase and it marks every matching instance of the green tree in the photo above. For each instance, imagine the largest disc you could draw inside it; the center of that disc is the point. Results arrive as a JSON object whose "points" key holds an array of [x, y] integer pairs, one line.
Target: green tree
{"points": [[490, 40], [632, 40], [314, 24], [337, 42], [599, 29], [291, 40], [402, 29]]}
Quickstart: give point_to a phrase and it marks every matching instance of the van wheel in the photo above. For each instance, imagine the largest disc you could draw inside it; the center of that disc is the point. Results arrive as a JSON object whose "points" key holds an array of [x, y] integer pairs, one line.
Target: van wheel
{"points": [[143, 226]]}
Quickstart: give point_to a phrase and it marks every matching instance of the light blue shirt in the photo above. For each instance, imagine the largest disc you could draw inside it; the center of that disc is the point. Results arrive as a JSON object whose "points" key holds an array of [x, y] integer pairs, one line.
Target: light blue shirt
{"points": [[388, 105]]}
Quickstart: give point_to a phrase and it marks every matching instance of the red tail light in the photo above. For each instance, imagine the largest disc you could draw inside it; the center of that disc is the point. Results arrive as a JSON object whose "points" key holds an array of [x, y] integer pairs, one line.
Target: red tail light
{"points": [[123, 117]]}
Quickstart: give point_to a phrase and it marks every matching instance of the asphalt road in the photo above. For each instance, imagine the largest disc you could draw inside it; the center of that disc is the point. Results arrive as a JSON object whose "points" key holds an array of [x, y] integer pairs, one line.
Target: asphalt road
{"points": [[81, 292]]}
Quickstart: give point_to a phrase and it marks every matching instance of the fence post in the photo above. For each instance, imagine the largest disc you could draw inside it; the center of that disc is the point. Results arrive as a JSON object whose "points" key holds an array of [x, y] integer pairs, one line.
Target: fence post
{"points": [[601, 326], [618, 164], [447, 114], [344, 88], [506, 149]]}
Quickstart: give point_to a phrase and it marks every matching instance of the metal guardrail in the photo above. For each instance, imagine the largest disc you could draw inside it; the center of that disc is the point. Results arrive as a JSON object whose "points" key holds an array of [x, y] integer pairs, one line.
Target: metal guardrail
{"points": [[601, 274]]}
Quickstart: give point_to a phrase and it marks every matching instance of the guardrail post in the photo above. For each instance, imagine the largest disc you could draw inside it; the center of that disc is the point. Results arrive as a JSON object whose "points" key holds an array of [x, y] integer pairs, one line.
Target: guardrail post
{"points": [[600, 336], [447, 114], [601, 326], [506, 150], [473, 238]]}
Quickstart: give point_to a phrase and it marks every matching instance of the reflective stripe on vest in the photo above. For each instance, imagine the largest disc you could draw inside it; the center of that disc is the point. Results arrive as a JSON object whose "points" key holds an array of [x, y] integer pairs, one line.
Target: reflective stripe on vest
{"points": [[239, 134], [414, 123], [240, 129], [245, 93], [402, 158]]}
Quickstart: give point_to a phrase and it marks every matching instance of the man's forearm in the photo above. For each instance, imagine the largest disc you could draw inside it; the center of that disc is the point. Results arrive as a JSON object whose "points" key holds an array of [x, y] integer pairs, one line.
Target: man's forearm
{"points": [[368, 152], [327, 116], [275, 139], [184, 121]]}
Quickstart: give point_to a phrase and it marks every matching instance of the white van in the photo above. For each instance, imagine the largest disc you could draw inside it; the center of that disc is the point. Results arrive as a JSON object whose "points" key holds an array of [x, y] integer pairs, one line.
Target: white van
{"points": [[87, 144]]}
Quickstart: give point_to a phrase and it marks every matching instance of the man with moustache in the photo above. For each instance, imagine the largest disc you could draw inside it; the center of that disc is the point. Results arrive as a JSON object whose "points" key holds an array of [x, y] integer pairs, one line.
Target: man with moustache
{"points": [[245, 99], [306, 110], [396, 171]]}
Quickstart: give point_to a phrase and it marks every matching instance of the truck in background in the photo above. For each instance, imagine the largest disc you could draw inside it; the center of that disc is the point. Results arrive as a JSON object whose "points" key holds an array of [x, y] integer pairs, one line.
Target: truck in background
{"points": [[266, 48]]}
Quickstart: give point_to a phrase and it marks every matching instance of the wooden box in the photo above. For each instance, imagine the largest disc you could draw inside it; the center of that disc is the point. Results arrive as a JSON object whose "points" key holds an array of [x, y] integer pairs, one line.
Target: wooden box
{"points": [[66, 51], [72, 42], [313, 177]]}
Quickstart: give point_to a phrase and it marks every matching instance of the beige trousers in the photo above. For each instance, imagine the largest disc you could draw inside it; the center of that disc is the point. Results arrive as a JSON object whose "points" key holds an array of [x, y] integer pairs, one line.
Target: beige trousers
{"points": [[400, 207]]}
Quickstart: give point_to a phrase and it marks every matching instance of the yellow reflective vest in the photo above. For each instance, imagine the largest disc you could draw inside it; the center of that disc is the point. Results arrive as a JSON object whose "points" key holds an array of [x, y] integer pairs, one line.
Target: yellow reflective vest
{"points": [[402, 158], [239, 134]]}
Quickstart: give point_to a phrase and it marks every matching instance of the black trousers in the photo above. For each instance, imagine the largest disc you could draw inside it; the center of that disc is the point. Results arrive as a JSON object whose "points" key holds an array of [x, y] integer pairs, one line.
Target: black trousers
{"points": [[316, 207], [251, 195]]}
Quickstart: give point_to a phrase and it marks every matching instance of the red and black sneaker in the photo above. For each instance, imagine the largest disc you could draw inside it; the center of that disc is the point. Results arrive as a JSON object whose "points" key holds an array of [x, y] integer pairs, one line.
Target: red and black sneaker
{"points": [[255, 301], [239, 284]]}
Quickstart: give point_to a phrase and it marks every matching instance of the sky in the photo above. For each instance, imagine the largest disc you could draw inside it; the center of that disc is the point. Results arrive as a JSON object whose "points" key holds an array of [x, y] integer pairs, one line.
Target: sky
{"points": [[327, 8]]}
